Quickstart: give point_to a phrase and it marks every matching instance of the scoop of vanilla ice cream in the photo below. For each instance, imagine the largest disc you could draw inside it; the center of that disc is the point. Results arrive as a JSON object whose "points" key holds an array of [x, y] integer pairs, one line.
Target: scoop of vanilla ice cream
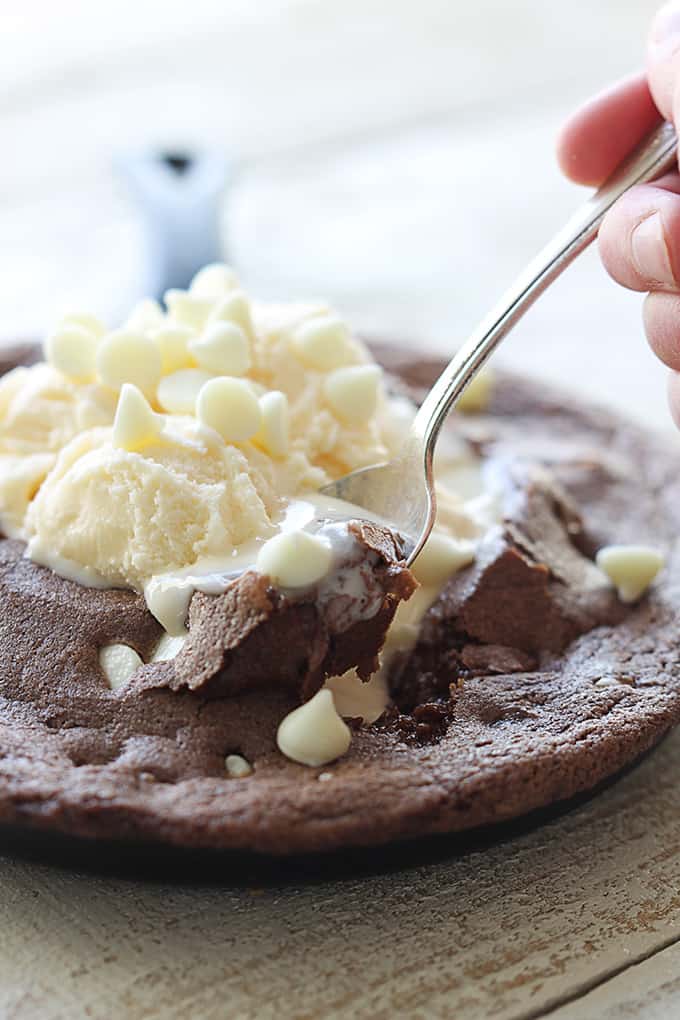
{"points": [[225, 411], [129, 515], [40, 411]]}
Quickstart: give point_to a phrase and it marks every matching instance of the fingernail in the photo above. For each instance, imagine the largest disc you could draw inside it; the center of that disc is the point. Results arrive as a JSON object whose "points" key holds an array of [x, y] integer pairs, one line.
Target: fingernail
{"points": [[650, 251]]}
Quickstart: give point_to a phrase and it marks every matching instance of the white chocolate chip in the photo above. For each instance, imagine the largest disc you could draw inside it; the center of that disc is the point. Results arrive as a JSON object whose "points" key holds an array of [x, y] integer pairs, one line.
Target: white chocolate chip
{"points": [[123, 356], [477, 395], [146, 314], [235, 307], [86, 321], [323, 343], [135, 424], [173, 343], [441, 557], [325, 777], [118, 663], [631, 568], [169, 646], [237, 767], [314, 734], [169, 603], [274, 433], [72, 350], [360, 699], [295, 559], [223, 349], [178, 392], [230, 407], [214, 280], [188, 309], [353, 392]]}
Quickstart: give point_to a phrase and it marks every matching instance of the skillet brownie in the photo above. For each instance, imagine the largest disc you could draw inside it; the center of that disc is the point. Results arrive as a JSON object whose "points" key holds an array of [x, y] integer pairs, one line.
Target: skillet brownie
{"points": [[197, 649]]}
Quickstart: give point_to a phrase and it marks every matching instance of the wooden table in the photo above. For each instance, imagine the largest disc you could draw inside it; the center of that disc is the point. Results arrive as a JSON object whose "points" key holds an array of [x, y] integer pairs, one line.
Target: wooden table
{"points": [[396, 157], [578, 919]]}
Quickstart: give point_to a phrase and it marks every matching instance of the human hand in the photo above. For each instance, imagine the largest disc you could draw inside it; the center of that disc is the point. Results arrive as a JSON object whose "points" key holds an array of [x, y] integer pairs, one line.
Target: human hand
{"points": [[640, 236]]}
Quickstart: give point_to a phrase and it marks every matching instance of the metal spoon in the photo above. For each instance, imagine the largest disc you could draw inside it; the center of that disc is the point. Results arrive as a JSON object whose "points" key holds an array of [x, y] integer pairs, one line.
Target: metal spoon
{"points": [[401, 492]]}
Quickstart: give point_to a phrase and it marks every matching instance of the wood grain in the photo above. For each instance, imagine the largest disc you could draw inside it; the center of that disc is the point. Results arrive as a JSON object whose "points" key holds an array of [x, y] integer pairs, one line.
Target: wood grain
{"points": [[650, 989], [508, 931]]}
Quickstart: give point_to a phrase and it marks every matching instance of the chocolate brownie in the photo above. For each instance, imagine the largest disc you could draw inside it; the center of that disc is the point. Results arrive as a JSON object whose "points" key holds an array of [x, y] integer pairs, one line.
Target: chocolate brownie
{"points": [[530, 681], [253, 637]]}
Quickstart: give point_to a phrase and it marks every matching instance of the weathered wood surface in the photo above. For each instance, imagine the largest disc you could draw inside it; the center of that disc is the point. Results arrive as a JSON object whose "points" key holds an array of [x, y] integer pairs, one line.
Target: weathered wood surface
{"points": [[509, 931], [650, 989], [411, 205]]}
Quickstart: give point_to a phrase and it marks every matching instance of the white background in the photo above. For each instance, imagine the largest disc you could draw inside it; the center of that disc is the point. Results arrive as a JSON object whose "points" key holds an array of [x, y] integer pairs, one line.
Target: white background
{"points": [[393, 155]]}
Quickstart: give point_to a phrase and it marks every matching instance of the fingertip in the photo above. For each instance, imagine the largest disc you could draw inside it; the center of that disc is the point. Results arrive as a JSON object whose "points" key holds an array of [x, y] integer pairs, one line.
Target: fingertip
{"points": [[572, 159], [597, 136]]}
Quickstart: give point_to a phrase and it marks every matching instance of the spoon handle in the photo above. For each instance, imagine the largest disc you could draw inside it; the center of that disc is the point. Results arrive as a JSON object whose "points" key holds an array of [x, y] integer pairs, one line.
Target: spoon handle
{"points": [[652, 158]]}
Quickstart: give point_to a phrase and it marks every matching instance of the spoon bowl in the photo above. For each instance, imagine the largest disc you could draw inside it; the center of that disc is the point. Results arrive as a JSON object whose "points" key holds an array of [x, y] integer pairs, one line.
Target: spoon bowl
{"points": [[400, 494]]}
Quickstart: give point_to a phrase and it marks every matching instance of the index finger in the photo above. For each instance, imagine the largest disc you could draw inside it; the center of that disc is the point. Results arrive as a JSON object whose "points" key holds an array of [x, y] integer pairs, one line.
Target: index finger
{"points": [[605, 129]]}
